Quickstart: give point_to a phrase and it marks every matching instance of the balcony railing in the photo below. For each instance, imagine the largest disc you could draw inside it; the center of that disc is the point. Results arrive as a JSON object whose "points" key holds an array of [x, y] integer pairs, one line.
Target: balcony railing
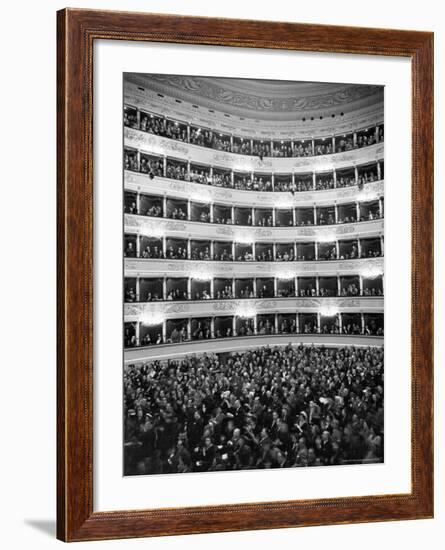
{"points": [[210, 308], [142, 184], [210, 289], [367, 267], [159, 330], [174, 208], [157, 156], [236, 344], [301, 146]]}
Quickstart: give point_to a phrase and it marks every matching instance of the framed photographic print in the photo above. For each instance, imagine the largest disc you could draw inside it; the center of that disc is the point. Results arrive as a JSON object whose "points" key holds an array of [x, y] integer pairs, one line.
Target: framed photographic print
{"points": [[245, 223]]}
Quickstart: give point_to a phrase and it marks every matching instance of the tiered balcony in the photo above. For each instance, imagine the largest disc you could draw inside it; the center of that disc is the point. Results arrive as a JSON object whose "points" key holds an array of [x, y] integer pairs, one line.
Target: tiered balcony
{"points": [[140, 143], [236, 344], [234, 242], [216, 139]]}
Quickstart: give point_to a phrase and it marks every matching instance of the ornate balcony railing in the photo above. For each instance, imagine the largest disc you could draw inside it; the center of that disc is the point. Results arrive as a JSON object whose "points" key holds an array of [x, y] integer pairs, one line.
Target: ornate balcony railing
{"points": [[227, 345], [134, 267], [154, 328], [212, 138], [212, 308], [160, 227], [141, 183], [183, 151]]}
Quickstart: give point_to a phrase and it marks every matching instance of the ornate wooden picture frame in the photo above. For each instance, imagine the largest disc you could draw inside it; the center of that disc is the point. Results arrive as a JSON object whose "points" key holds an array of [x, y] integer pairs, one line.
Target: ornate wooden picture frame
{"points": [[77, 31]]}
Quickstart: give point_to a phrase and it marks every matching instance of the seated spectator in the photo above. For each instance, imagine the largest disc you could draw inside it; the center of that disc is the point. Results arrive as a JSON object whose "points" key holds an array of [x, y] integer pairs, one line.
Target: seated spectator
{"points": [[155, 211]]}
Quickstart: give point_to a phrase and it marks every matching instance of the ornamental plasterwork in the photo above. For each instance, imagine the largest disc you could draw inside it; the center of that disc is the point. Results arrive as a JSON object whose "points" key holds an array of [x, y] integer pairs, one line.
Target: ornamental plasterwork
{"points": [[199, 192], [210, 93], [267, 304], [225, 306], [262, 233], [222, 194], [175, 226], [345, 229], [237, 307], [177, 308], [227, 231], [178, 186], [266, 267], [207, 88], [159, 146], [161, 268], [306, 231], [176, 267], [286, 128], [157, 227]]}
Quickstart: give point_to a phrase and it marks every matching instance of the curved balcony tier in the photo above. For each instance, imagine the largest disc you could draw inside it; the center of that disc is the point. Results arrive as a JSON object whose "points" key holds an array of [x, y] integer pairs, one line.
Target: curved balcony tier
{"points": [[335, 112], [138, 267], [186, 190], [227, 345], [202, 287], [184, 229], [180, 150], [212, 308]]}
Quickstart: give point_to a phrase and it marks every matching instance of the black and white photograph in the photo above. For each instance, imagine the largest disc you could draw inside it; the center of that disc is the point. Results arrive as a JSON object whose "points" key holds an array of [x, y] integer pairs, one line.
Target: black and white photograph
{"points": [[253, 280]]}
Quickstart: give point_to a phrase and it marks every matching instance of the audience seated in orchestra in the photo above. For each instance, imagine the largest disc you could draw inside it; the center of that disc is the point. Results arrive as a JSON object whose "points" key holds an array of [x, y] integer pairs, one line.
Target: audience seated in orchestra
{"points": [[265, 408]]}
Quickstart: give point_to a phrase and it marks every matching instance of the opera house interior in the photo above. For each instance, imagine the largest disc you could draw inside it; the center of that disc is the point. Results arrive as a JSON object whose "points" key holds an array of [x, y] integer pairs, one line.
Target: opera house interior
{"points": [[253, 286]]}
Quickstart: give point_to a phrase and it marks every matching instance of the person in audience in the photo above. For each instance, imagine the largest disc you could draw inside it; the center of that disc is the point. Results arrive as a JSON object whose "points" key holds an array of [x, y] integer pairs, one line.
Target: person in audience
{"points": [[155, 211], [130, 295], [130, 250], [131, 208]]}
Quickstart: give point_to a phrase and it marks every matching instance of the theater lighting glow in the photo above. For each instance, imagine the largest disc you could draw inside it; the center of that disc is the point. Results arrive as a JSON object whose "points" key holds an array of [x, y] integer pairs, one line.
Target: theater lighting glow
{"points": [[150, 318], [201, 275], [152, 230], [245, 310], [285, 275], [367, 195], [371, 272], [284, 202], [243, 168], [324, 167], [328, 311], [156, 149], [243, 238], [326, 238], [202, 196]]}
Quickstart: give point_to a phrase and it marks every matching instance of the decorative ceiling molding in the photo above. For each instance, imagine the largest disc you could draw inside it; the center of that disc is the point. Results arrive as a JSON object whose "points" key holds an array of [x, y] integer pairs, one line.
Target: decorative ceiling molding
{"points": [[262, 99]]}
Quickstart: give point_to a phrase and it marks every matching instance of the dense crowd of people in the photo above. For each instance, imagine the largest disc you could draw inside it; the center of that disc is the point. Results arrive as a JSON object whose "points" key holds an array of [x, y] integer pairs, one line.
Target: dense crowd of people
{"points": [[284, 252], [304, 217], [178, 170], [204, 137], [253, 288], [266, 408], [178, 331]]}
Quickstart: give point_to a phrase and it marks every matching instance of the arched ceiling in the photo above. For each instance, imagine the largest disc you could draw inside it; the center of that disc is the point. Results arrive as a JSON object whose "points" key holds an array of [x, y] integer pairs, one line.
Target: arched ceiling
{"points": [[271, 100]]}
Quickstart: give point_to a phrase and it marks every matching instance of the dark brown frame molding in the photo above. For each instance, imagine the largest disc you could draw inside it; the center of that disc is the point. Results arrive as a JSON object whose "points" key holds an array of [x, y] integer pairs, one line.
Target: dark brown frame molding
{"points": [[77, 30]]}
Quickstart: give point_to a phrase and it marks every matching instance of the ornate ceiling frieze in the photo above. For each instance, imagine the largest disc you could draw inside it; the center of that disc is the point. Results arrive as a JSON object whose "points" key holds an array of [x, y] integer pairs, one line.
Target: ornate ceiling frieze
{"points": [[264, 100], [207, 88]]}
